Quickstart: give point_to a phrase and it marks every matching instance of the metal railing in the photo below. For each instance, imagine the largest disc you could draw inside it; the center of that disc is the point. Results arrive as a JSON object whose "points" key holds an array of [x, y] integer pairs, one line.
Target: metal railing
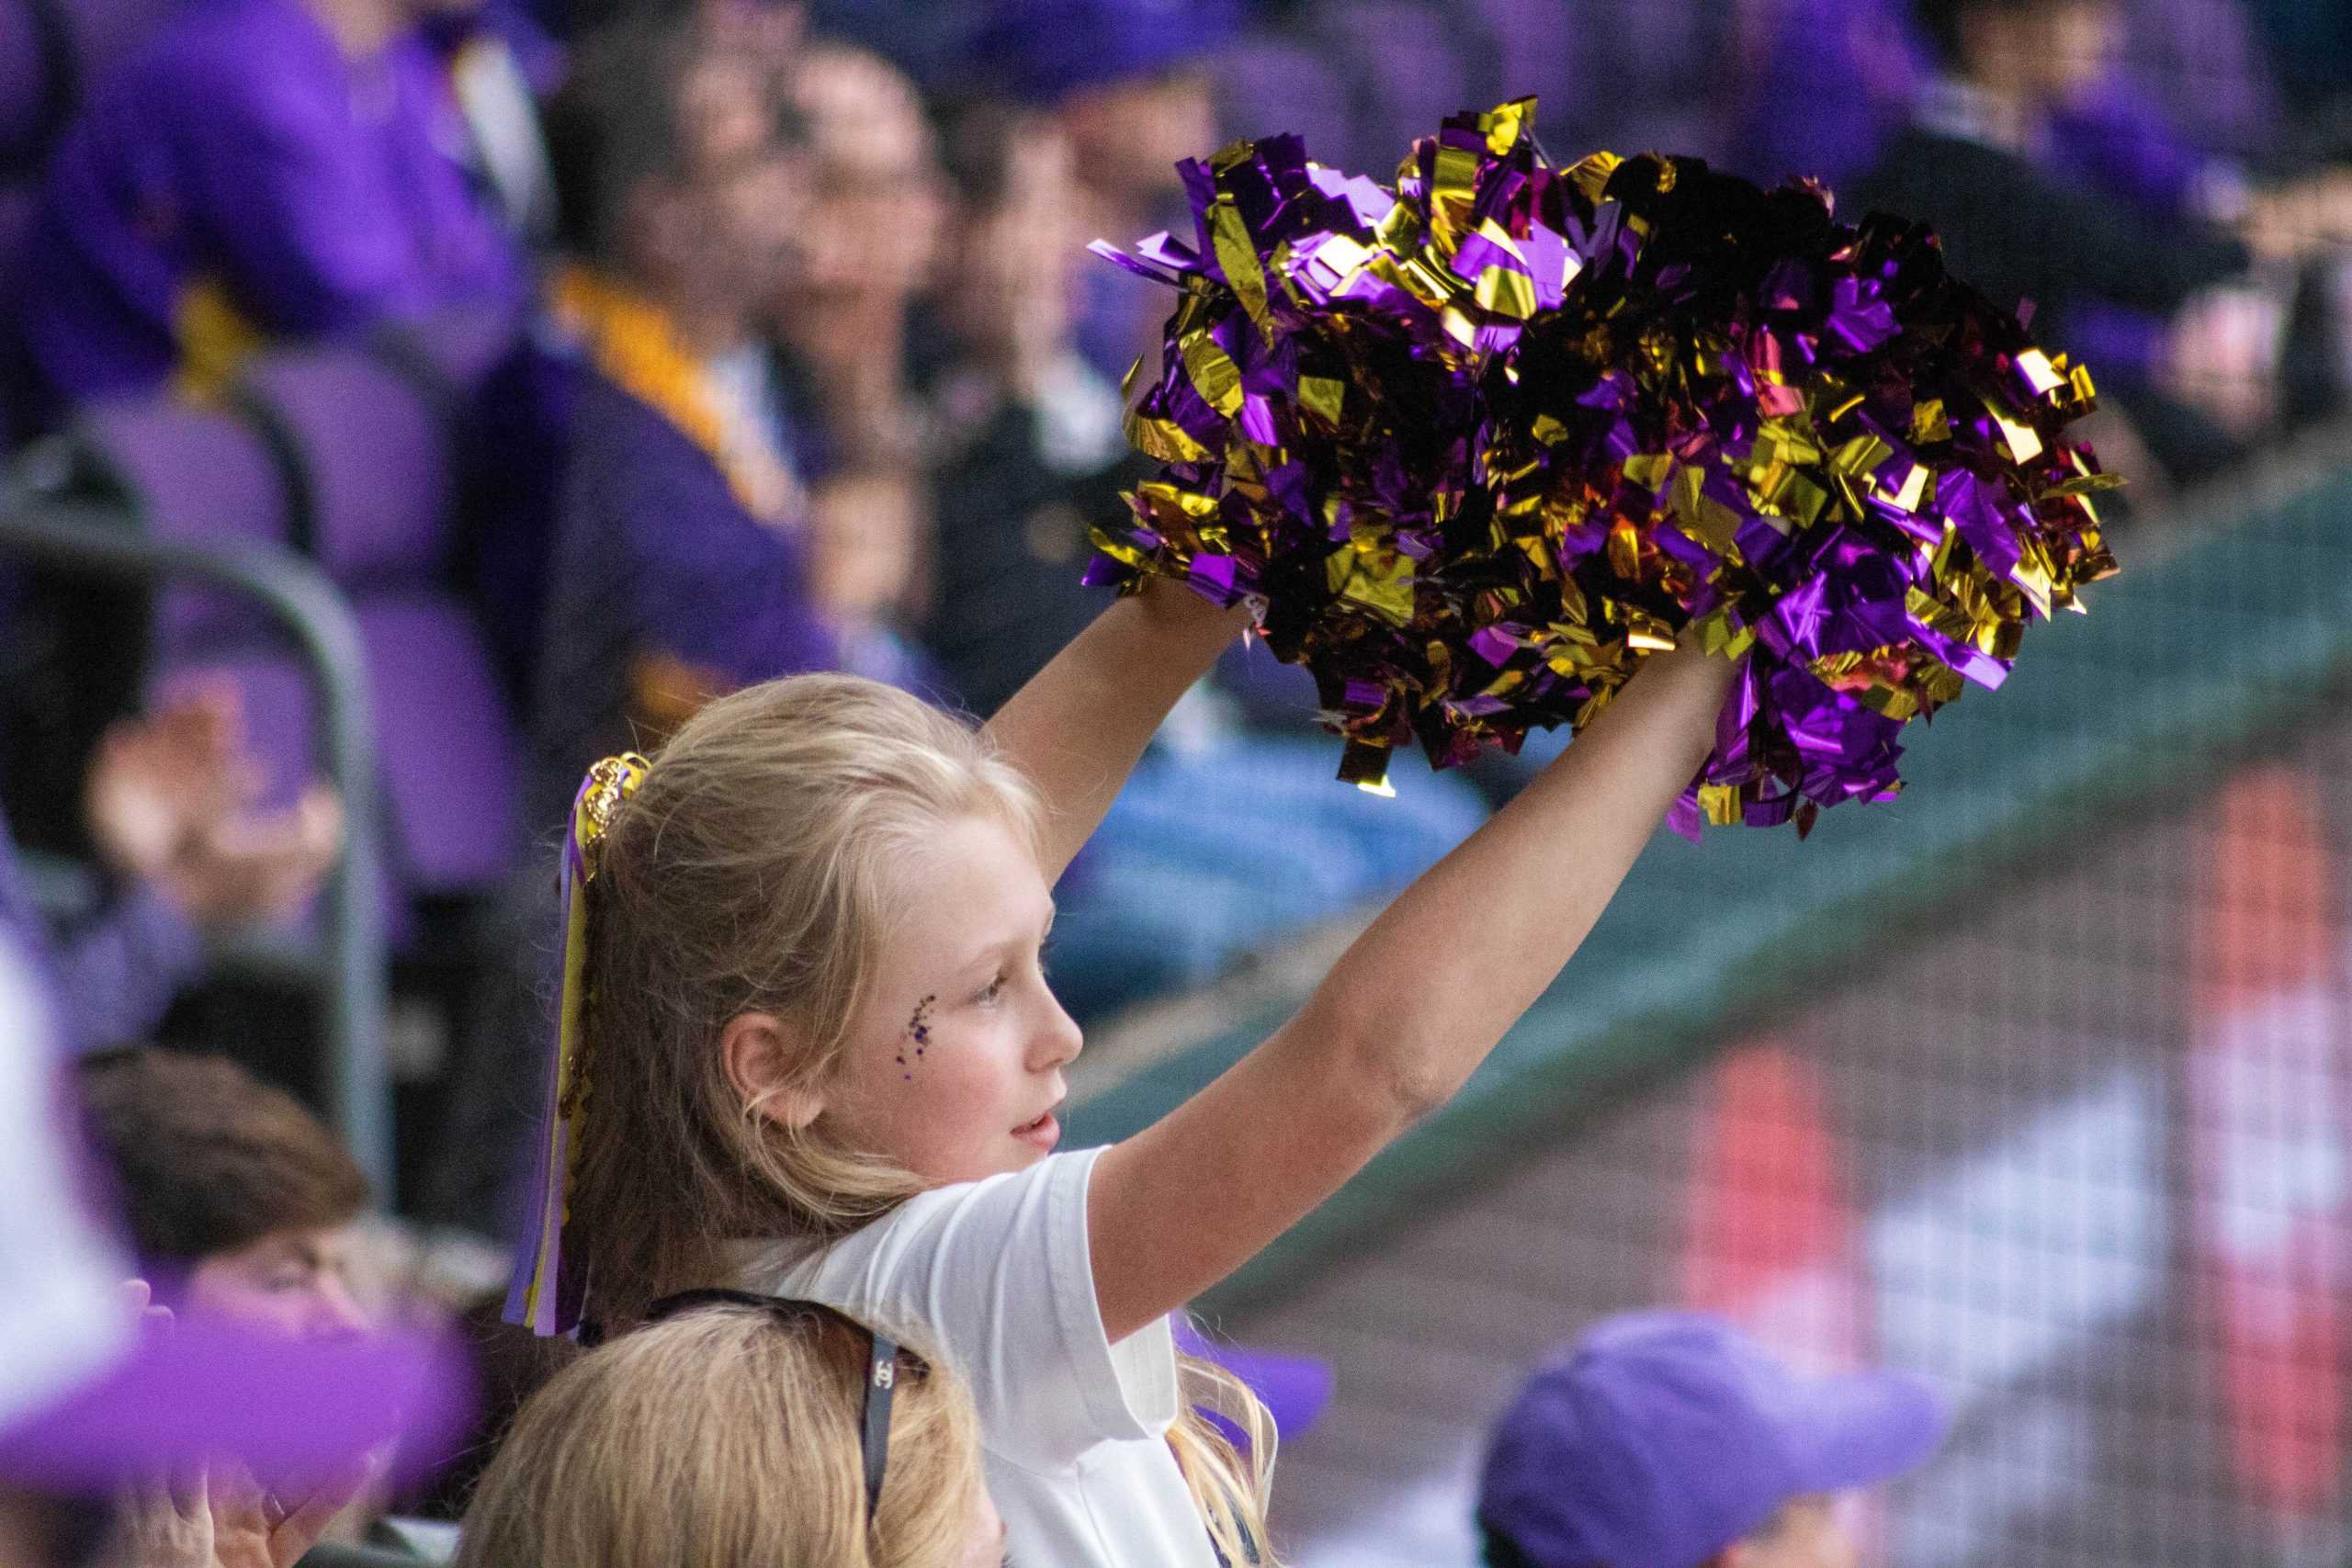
{"points": [[96, 541]]}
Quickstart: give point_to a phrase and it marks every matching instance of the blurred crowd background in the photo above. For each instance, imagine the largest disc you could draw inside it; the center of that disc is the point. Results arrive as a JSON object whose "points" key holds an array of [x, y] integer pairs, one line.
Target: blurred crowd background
{"points": [[591, 357]]}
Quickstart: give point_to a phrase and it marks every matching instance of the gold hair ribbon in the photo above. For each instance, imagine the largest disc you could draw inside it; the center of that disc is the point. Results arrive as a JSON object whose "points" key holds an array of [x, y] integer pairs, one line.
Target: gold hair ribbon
{"points": [[543, 1295]]}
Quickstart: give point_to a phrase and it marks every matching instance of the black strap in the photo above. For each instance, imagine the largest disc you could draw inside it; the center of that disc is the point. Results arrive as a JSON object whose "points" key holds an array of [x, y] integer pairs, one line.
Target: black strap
{"points": [[881, 1387], [881, 1367]]}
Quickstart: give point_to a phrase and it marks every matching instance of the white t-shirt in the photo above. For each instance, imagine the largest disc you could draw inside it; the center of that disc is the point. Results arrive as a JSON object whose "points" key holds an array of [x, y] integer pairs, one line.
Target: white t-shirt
{"points": [[994, 1275]]}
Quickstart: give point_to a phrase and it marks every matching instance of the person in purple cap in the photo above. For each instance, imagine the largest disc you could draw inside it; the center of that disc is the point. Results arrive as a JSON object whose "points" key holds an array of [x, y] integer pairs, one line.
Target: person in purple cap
{"points": [[1672, 1440], [1129, 83], [259, 170]]}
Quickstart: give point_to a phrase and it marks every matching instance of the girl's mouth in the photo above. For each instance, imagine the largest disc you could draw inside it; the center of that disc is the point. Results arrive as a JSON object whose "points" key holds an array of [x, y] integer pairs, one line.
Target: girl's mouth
{"points": [[1044, 1132]]}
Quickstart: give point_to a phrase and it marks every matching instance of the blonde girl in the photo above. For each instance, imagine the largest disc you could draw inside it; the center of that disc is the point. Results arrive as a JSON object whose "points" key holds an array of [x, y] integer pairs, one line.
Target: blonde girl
{"points": [[810, 1049], [732, 1435]]}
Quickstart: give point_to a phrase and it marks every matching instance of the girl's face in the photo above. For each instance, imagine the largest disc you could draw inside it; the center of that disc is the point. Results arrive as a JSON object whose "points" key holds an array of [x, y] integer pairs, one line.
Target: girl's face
{"points": [[954, 1066]]}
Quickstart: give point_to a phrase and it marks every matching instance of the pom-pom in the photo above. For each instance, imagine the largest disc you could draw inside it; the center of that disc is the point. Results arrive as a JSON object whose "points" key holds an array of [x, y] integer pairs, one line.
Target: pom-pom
{"points": [[1474, 446]]}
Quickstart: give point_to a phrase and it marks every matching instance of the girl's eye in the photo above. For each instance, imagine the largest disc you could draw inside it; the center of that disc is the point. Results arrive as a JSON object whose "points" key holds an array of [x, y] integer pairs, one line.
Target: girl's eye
{"points": [[1046, 956], [993, 989]]}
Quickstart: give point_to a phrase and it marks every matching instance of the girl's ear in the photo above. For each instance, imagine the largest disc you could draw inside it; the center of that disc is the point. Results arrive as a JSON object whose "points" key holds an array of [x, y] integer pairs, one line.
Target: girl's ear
{"points": [[757, 1048]]}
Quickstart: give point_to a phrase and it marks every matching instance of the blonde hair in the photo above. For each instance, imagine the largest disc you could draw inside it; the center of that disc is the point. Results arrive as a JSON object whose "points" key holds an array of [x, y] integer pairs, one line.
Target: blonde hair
{"points": [[759, 868], [727, 1436]]}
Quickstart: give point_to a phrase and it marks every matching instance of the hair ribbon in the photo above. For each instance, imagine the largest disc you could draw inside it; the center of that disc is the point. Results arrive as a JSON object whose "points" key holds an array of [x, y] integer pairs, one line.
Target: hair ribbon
{"points": [[543, 1295]]}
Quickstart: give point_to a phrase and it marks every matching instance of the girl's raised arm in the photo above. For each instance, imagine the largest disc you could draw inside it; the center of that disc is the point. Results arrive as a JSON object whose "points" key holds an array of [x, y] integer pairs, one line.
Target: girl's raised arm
{"points": [[1079, 725], [1405, 1016]]}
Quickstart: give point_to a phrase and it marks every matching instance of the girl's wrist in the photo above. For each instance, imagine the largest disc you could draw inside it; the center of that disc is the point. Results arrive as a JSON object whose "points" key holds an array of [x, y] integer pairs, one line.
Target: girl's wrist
{"points": [[1174, 609]]}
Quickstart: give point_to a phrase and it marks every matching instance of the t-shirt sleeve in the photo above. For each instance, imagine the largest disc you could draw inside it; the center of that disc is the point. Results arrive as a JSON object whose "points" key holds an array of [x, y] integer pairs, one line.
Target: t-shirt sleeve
{"points": [[996, 1277]]}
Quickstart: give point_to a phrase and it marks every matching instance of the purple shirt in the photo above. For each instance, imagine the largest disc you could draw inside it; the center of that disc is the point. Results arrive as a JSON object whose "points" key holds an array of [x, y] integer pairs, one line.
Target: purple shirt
{"points": [[240, 147], [653, 554], [110, 975], [1835, 88]]}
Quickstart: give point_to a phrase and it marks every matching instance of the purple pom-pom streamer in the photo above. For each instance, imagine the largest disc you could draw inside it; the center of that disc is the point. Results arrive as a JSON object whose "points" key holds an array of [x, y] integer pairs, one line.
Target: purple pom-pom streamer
{"points": [[1476, 446]]}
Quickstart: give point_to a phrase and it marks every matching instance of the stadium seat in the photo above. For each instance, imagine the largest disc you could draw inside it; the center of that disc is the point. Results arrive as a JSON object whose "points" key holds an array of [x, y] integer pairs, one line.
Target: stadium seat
{"points": [[368, 459], [197, 476]]}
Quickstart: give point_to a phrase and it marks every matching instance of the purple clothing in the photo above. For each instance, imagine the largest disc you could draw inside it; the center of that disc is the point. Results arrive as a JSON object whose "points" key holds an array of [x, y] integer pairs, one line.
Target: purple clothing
{"points": [[112, 975], [1836, 86], [2116, 141], [1662, 1439], [653, 556], [241, 148]]}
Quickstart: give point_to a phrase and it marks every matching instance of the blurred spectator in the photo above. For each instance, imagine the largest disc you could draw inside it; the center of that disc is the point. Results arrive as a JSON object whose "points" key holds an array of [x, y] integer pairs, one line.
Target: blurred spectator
{"points": [[260, 169], [1128, 80], [1033, 454], [1671, 1440], [1030, 447], [1970, 165], [239, 1202], [171, 807], [867, 244], [680, 567], [263, 1439], [2185, 126], [729, 1432]]}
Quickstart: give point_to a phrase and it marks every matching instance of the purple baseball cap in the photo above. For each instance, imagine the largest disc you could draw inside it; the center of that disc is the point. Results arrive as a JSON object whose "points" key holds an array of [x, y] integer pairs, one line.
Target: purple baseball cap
{"points": [[88, 1398], [1044, 50], [1661, 1438]]}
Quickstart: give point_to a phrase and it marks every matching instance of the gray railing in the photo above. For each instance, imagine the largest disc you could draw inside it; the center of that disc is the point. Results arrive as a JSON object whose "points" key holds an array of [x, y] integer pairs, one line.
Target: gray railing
{"points": [[96, 541]]}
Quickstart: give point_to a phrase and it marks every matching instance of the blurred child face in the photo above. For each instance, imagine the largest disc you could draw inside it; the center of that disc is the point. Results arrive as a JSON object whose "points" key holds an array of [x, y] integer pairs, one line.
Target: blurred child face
{"points": [[1809, 1533], [295, 1282], [2047, 53], [1130, 136], [953, 1068], [1013, 258]]}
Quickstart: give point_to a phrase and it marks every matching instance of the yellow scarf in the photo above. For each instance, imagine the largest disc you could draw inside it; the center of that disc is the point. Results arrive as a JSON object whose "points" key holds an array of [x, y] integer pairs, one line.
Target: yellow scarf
{"points": [[635, 344], [215, 340]]}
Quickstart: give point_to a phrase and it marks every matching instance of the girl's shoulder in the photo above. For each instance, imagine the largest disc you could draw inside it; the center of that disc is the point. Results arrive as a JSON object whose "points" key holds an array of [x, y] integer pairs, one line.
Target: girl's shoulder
{"points": [[943, 1231]]}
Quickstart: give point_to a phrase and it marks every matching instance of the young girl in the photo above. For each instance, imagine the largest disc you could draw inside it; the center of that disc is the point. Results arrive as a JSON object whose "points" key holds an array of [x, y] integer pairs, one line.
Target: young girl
{"points": [[822, 1058], [731, 1435]]}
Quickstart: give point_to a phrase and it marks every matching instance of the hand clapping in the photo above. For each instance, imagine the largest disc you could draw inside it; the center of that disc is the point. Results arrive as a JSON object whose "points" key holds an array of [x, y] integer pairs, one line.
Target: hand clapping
{"points": [[172, 801]]}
